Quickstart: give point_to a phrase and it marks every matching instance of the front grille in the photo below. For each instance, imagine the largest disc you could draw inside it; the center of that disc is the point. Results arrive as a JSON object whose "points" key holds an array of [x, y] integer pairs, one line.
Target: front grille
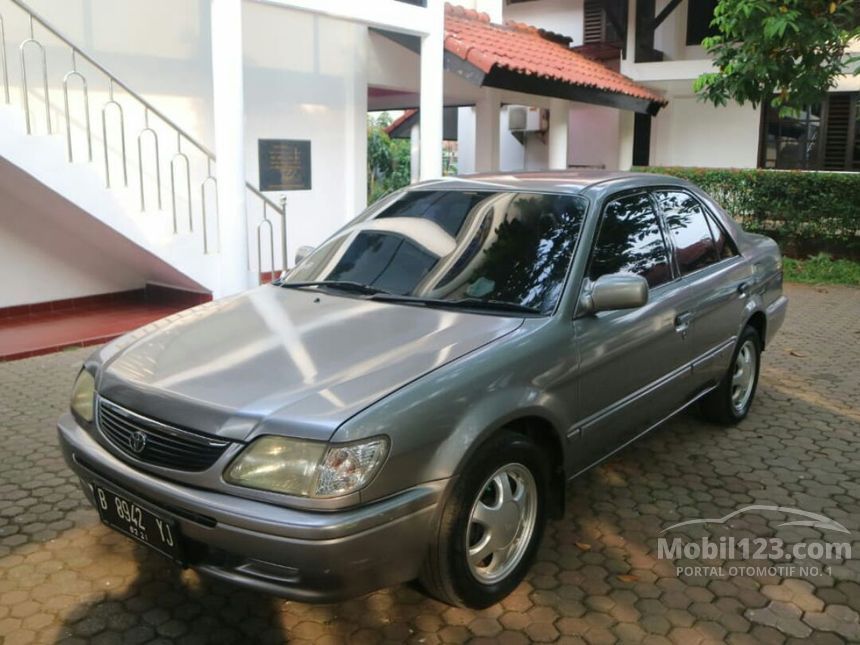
{"points": [[154, 442]]}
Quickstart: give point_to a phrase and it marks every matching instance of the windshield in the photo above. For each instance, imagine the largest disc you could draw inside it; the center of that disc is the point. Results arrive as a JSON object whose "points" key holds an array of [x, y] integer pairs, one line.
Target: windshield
{"points": [[445, 245]]}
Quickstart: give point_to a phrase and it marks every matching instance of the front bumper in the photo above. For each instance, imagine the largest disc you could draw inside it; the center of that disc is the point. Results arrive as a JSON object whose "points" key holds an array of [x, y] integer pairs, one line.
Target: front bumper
{"points": [[301, 555]]}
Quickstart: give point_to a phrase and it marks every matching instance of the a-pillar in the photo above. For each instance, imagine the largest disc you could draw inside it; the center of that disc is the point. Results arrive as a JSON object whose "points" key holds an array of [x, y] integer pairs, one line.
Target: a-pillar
{"points": [[487, 110], [228, 100], [559, 117]]}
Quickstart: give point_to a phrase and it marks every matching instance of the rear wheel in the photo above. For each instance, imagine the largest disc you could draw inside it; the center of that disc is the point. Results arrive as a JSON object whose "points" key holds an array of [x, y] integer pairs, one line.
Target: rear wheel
{"points": [[731, 401], [491, 524]]}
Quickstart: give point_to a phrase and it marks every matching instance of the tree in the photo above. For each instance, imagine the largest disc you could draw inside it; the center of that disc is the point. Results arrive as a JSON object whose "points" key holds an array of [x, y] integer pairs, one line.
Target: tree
{"points": [[785, 53], [388, 160]]}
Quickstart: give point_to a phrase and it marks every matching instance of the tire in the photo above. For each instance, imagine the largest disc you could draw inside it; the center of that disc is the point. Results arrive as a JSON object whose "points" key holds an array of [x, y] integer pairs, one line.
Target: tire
{"points": [[479, 494], [730, 402]]}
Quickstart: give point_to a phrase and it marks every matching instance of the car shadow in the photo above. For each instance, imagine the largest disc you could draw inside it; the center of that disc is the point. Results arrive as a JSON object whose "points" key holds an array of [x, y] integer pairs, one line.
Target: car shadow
{"points": [[162, 602]]}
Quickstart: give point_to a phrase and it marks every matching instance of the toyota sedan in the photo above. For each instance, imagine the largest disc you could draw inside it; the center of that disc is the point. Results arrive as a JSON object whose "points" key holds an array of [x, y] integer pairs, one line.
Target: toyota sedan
{"points": [[411, 400]]}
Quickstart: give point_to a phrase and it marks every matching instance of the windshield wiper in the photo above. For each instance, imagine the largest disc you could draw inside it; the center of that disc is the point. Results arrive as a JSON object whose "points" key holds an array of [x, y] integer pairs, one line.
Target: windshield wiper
{"points": [[497, 305], [340, 285], [460, 303], [381, 295]]}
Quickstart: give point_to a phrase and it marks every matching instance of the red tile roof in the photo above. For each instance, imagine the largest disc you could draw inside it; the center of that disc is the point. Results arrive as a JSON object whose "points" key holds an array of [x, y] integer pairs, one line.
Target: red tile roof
{"points": [[400, 120], [527, 50]]}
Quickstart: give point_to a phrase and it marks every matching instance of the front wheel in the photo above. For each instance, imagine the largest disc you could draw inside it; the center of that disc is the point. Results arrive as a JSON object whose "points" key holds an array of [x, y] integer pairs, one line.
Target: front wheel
{"points": [[491, 524], [731, 401]]}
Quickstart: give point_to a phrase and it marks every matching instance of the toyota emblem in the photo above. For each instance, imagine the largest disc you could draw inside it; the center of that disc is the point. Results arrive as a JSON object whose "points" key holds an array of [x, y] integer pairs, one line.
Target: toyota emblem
{"points": [[137, 442]]}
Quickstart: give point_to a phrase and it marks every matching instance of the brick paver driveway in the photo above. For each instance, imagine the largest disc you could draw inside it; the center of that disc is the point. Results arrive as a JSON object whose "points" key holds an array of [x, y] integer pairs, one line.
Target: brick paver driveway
{"points": [[63, 577]]}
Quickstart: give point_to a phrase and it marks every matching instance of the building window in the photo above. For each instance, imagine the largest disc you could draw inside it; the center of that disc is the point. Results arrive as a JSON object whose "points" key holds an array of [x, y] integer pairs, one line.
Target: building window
{"points": [[700, 13], [598, 26], [825, 136]]}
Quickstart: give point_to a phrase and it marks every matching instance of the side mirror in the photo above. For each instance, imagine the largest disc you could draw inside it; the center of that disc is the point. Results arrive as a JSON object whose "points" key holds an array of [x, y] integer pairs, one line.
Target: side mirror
{"points": [[616, 291], [302, 252]]}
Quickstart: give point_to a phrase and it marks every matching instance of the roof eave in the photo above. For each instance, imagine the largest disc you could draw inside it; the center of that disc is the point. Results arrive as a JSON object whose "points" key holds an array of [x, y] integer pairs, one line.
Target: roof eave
{"points": [[507, 79]]}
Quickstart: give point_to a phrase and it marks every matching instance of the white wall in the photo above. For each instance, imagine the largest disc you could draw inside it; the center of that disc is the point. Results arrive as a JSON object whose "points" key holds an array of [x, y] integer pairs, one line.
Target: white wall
{"points": [[305, 78], [593, 139], [688, 132], [42, 263], [561, 16], [160, 48], [51, 250]]}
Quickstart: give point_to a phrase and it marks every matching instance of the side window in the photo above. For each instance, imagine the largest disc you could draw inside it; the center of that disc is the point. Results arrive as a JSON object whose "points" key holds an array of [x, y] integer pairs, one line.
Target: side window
{"points": [[690, 231], [630, 240], [723, 243]]}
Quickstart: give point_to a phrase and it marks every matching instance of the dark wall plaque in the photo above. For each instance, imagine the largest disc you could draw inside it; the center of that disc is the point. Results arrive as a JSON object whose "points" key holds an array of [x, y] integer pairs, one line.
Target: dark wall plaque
{"points": [[285, 164]]}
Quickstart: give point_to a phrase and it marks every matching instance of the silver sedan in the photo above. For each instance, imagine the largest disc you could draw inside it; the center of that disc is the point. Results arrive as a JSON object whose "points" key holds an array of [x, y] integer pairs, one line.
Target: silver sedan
{"points": [[411, 400]]}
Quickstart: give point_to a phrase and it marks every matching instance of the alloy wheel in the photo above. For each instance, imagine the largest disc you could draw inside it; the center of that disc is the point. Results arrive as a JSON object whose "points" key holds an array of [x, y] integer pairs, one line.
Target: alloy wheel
{"points": [[743, 376], [501, 523]]}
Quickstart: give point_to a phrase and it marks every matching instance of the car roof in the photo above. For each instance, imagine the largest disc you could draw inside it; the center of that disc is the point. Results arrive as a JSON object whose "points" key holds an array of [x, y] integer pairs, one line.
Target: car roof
{"points": [[566, 181]]}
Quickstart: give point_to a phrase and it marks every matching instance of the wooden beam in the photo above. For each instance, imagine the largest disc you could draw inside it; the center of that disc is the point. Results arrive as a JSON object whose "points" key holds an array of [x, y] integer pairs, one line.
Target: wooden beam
{"points": [[667, 10], [610, 7], [644, 31]]}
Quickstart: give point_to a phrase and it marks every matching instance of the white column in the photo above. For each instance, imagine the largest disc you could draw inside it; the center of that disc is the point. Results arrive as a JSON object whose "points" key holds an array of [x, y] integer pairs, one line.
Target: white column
{"points": [[487, 131], [355, 135], [414, 153], [465, 140], [227, 94], [432, 70], [559, 115], [625, 139]]}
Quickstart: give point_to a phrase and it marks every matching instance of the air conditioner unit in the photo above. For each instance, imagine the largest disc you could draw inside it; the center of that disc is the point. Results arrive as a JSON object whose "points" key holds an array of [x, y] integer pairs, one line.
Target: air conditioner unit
{"points": [[525, 119]]}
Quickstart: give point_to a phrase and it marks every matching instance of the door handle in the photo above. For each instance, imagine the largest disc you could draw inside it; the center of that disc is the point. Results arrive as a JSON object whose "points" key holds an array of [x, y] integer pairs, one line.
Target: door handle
{"points": [[682, 322], [744, 289]]}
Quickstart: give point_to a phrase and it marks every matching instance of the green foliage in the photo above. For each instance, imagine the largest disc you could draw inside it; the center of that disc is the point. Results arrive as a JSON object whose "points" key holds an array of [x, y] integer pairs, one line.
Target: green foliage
{"points": [[822, 269], [800, 209], [388, 160], [786, 53]]}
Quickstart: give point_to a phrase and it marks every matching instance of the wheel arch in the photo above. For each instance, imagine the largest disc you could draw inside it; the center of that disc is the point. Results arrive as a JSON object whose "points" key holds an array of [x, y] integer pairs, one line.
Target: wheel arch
{"points": [[758, 321], [541, 431], [546, 435]]}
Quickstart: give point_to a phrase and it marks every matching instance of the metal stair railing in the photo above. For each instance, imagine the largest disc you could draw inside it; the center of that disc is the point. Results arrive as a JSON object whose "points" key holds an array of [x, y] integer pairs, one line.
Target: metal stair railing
{"points": [[265, 228]]}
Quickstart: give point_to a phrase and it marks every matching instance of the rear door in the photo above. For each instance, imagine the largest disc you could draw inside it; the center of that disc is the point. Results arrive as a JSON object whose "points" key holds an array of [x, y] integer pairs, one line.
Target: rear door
{"points": [[633, 363], [715, 282]]}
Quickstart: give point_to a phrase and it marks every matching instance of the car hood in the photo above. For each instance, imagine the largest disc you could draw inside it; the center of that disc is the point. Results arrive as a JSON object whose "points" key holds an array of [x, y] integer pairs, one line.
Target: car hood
{"points": [[284, 361]]}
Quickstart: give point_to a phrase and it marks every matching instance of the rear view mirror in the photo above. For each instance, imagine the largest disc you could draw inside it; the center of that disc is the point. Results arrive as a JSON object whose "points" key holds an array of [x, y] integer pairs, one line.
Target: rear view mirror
{"points": [[617, 291], [302, 252]]}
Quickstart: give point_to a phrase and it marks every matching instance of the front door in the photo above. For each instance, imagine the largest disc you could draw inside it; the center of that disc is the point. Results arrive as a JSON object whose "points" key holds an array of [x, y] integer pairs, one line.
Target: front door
{"points": [[715, 280], [633, 367]]}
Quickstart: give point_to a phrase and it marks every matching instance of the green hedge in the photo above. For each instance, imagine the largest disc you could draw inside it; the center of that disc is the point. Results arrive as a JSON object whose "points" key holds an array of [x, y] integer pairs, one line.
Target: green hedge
{"points": [[806, 211]]}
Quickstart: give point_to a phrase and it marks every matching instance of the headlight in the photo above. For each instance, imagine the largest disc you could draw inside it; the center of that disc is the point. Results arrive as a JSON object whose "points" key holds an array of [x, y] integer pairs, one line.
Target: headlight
{"points": [[82, 396], [307, 468], [278, 464]]}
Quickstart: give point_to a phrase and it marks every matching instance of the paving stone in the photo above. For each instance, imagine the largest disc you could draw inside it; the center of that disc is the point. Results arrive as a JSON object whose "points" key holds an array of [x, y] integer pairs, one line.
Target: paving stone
{"points": [[782, 616], [64, 578]]}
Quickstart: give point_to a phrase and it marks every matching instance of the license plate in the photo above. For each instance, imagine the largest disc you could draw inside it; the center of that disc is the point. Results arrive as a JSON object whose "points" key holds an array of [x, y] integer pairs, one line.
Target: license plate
{"points": [[139, 523]]}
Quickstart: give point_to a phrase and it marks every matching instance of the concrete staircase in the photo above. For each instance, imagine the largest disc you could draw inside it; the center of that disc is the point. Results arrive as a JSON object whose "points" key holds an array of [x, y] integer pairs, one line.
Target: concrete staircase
{"points": [[82, 149]]}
